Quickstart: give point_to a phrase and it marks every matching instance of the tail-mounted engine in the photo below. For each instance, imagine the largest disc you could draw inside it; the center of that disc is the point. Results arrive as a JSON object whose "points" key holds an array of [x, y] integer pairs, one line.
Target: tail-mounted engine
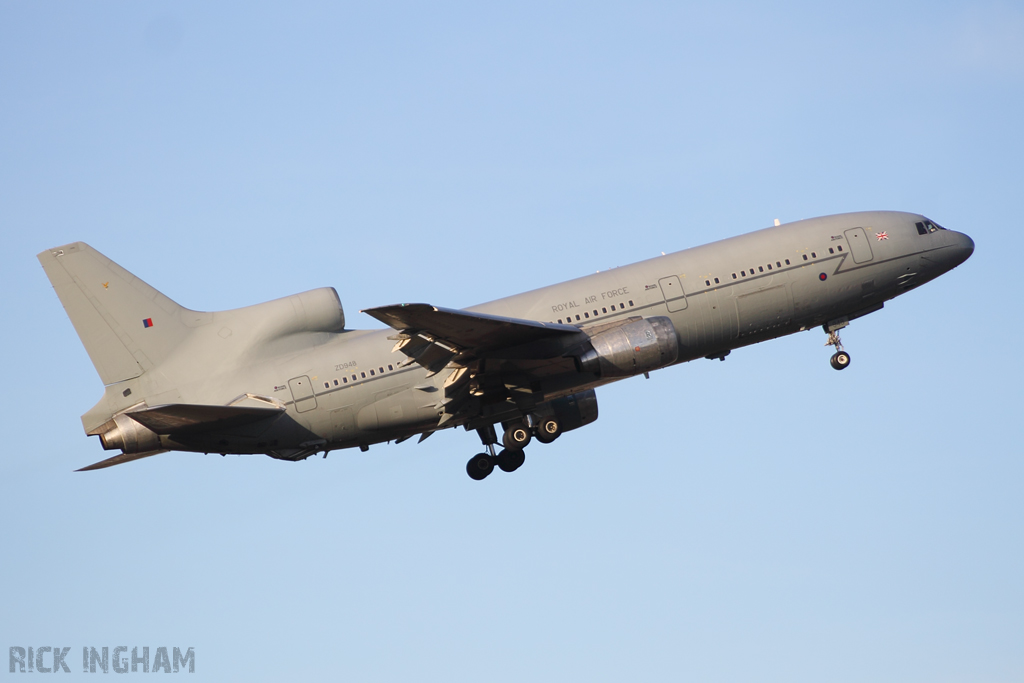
{"points": [[128, 435], [631, 349]]}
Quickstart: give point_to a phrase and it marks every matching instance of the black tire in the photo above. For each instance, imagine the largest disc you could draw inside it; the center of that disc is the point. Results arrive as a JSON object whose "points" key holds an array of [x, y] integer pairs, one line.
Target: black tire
{"points": [[511, 459], [516, 437], [548, 430], [840, 360], [479, 466]]}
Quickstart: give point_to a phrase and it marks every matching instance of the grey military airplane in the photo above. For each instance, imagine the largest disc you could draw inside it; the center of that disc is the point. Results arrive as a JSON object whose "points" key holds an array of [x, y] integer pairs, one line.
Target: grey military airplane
{"points": [[286, 378]]}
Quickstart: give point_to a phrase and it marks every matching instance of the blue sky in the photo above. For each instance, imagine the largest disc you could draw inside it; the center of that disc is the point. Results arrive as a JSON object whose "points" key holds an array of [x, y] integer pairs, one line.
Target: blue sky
{"points": [[761, 518]]}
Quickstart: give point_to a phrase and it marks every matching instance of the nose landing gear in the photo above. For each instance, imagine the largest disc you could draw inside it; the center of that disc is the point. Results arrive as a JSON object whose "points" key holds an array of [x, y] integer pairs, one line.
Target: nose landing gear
{"points": [[840, 360]]}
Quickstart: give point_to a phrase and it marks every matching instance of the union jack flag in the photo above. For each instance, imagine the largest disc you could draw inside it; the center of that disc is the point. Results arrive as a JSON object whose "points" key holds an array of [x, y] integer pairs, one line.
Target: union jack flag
{"points": [[882, 236]]}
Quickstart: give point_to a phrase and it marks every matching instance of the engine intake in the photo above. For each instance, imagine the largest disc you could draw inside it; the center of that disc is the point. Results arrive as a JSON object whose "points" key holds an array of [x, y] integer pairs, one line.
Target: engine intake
{"points": [[631, 349]]}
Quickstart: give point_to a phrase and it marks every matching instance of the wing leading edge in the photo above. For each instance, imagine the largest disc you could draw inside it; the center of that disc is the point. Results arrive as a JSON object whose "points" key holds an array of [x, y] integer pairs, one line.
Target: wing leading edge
{"points": [[478, 332]]}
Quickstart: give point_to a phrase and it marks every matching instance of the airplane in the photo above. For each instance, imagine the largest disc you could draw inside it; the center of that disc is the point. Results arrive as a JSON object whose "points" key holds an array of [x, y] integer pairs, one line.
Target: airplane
{"points": [[287, 379]]}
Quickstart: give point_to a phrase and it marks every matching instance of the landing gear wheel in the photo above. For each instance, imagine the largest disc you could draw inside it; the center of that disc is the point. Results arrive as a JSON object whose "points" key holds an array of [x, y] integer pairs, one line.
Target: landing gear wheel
{"points": [[548, 430], [511, 459], [516, 437], [840, 360], [479, 466]]}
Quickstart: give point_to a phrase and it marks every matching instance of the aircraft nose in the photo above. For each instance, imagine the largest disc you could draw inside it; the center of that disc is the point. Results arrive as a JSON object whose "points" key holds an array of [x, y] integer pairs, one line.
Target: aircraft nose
{"points": [[963, 247]]}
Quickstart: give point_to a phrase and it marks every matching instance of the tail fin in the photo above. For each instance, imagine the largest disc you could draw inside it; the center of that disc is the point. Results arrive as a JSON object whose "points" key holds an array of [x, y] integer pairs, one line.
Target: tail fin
{"points": [[126, 326]]}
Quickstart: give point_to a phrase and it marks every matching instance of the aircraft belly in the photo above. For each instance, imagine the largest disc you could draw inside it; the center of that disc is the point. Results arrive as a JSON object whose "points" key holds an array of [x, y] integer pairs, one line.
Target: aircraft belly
{"points": [[397, 408], [765, 309], [343, 422]]}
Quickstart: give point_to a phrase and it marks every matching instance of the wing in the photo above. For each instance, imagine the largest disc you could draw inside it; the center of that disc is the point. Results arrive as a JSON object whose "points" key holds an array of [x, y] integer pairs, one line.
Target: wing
{"points": [[490, 359], [463, 330], [119, 459], [185, 419], [179, 418]]}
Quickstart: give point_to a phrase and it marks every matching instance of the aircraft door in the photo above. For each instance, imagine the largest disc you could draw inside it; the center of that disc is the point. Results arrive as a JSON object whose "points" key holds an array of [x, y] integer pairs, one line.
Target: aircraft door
{"points": [[860, 247], [673, 292], [302, 393]]}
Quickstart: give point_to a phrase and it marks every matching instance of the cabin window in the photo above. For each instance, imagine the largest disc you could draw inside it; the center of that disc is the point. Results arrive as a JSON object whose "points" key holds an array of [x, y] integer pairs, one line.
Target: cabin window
{"points": [[337, 383], [585, 314], [734, 276], [630, 302], [363, 374], [787, 263], [390, 366], [381, 370], [604, 310], [760, 269], [577, 316], [813, 255], [831, 250], [371, 372], [716, 280], [707, 283], [595, 312], [327, 385], [778, 264], [805, 257], [613, 308], [769, 266], [840, 247], [345, 379], [743, 273], [354, 378]]}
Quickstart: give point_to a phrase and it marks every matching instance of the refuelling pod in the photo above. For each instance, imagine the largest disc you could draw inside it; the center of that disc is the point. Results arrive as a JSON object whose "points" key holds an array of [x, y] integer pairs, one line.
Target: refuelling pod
{"points": [[631, 349], [125, 433]]}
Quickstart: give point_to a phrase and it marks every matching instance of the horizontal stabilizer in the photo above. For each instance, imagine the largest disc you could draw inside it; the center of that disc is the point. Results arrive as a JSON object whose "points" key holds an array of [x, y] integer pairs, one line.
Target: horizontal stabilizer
{"points": [[184, 418], [467, 330], [119, 459]]}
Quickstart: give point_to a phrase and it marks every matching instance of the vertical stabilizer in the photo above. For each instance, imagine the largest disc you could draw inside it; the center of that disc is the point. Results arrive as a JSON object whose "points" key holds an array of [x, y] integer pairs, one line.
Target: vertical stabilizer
{"points": [[126, 326]]}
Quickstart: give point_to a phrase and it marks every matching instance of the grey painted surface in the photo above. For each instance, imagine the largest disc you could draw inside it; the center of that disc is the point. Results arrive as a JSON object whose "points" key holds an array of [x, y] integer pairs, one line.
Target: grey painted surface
{"points": [[342, 388]]}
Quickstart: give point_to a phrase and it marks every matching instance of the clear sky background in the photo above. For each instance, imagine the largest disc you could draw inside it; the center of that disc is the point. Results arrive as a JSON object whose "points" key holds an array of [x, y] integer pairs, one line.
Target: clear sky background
{"points": [[763, 518]]}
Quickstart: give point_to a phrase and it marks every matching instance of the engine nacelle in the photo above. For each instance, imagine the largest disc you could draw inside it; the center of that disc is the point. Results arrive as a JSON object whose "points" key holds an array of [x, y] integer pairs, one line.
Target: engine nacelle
{"points": [[128, 435], [631, 349], [572, 411]]}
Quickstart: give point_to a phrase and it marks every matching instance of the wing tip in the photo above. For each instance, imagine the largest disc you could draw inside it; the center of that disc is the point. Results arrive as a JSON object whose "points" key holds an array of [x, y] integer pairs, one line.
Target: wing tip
{"points": [[119, 459]]}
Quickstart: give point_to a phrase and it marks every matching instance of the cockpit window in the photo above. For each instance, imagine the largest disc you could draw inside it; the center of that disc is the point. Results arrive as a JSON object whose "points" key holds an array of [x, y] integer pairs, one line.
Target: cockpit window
{"points": [[927, 226]]}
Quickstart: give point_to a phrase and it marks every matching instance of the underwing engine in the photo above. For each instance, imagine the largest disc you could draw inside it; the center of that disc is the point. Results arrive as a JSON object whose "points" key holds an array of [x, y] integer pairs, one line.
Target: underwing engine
{"points": [[631, 349], [572, 411]]}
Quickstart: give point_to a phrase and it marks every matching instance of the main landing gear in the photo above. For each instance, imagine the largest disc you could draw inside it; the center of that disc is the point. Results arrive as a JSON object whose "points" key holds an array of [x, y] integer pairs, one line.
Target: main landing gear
{"points": [[516, 437], [840, 360]]}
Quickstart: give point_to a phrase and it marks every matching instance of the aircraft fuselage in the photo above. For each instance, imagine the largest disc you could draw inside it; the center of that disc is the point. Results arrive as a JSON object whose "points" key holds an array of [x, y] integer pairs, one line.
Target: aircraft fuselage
{"points": [[355, 388]]}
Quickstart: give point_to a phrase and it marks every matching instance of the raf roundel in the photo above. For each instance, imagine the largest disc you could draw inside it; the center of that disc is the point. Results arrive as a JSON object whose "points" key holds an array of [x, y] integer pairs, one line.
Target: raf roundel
{"points": [[822, 277]]}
